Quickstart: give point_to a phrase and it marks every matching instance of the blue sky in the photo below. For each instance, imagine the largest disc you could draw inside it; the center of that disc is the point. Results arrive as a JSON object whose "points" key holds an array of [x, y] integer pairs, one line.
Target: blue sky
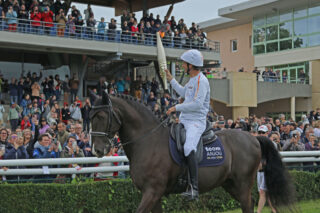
{"points": [[190, 10]]}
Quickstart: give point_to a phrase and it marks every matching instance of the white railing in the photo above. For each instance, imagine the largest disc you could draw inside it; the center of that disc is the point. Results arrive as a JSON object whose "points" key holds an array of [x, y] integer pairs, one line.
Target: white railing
{"points": [[288, 157]]}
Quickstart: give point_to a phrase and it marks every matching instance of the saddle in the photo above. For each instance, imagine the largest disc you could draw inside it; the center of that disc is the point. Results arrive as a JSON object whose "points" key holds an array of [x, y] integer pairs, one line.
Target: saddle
{"points": [[178, 134]]}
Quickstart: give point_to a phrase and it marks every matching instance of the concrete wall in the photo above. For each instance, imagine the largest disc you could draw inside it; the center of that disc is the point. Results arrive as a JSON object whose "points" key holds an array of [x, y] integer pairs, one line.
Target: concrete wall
{"points": [[315, 70], [268, 91], [281, 105], [219, 90], [287, 57], [233, 61]]}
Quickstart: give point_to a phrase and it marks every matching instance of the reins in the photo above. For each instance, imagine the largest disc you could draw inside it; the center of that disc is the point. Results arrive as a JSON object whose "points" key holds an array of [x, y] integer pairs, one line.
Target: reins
{"points": [[149, 133]]}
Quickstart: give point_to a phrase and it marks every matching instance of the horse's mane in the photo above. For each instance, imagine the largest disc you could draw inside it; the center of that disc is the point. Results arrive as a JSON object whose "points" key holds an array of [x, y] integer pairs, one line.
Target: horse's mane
{"points": [[136, 104]]}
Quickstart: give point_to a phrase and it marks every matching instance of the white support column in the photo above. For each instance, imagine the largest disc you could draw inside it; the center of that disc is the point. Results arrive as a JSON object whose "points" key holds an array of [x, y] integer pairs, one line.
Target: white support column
{"points": [[293, 107]]}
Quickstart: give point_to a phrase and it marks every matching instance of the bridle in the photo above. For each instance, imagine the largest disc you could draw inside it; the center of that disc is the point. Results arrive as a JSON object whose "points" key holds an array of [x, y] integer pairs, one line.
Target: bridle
{"points": [[111, 113], [109, 110]]}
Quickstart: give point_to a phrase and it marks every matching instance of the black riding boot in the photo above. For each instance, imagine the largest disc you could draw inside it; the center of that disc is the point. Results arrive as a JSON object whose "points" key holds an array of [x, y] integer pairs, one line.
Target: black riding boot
{"points": [[193, 192]]}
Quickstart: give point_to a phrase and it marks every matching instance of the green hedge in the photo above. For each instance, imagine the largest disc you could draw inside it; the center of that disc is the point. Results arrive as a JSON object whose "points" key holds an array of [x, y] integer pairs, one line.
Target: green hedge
{"points": [[121, 196]]}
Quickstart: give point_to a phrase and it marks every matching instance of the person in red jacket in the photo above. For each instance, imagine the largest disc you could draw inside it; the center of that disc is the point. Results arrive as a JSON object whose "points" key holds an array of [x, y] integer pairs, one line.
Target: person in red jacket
{"points": [[25, 123], [47, 17], [134, 30], [35, 20]]}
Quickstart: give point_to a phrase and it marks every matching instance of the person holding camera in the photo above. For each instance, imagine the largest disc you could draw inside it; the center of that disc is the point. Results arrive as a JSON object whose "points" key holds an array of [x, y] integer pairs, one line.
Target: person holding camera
{"points": [[36, 18], [75, 111], [72, 149], [61, 19], [11, 19], [294, 143], [47, 17]]}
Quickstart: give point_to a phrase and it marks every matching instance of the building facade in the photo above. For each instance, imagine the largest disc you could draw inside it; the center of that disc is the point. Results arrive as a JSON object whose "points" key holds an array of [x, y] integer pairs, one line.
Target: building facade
{"points": [[278, 35]]}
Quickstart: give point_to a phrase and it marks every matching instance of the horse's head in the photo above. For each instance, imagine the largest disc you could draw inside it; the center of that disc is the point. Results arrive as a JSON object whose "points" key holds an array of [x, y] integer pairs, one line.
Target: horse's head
{"points": [[105, 123]]}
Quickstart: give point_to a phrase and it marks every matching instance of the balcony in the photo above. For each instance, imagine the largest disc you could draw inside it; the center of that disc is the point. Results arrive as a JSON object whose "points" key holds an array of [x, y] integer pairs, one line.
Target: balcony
{"points": [[87, 39]]}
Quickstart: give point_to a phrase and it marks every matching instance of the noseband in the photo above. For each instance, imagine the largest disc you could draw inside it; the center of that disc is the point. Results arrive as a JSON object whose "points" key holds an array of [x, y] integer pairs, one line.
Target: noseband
{"points": [[111, 113]]}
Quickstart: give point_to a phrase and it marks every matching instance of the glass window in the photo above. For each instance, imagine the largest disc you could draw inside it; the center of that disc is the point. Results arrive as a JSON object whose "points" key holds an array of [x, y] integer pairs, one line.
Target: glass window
{"points": [[285, 29], [257, 49], [259, 35], [300, 27], [259, 21], [314, 40], [285, 16], [314, 10], [273, 18], [314, 24], [285, 45], [272, 32], [272, 47], [234, 45], [300, 42], [298, 13]]}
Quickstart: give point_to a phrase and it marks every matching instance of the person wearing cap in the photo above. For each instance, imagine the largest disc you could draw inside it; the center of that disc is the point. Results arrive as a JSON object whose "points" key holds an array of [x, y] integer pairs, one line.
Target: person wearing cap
{"points": [[194, 110], [294, 143], [263, 130]]}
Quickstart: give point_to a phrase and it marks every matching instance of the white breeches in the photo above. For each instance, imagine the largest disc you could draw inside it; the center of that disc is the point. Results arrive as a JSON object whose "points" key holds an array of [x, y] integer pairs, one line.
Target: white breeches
{"points": [[194, 130]]}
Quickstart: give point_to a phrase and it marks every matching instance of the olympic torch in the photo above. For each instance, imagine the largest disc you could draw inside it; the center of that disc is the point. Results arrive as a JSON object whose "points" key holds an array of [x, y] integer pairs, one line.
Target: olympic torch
{"points": [[162, 61]]}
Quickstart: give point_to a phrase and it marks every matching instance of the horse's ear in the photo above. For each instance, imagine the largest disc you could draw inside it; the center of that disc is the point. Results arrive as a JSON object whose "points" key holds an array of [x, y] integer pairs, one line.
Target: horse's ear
{"points": [[93, 95], [105, 98]]}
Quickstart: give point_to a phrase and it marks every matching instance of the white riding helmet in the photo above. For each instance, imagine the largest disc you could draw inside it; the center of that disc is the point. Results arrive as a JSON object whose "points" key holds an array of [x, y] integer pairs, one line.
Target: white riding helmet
{"points": [[193, 57]]}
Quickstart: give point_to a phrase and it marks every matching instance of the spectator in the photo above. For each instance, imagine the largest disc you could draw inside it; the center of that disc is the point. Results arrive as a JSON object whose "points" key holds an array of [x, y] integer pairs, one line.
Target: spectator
{"points": [[13, 91], [65, 113], [85, 145], [101, 28], [135, 31], [275, 138], [284, 77], [85, 112], [75, 111], [71, 26], [74, 85], [11, 17], [151, 100], [301, 76], [88, 13], [2, 111], [13, 116], [23, 15], [112, 26], [66, 90], [71, 149], [25, 123], [2, 14], [35, 91], [62, 135], [154, 86], [91, 23], [35, 110], [28, 140], [36, 20], [4, 137], [124, 18], [125, 32], [62, 21], [317, 129], [15, 150], [43, 126], [294, 144]]}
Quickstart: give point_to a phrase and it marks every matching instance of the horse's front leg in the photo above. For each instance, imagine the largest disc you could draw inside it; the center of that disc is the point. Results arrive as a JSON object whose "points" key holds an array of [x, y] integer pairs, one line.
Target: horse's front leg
{"points": [[150, 201]]}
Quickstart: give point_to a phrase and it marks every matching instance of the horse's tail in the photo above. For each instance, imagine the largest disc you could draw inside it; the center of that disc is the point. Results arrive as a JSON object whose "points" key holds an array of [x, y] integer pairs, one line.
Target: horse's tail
{"points": [[280, 188]]}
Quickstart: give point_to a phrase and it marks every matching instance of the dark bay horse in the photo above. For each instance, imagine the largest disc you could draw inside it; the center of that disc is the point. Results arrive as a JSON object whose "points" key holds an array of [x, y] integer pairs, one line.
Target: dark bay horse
{"points": [[154, 172]]}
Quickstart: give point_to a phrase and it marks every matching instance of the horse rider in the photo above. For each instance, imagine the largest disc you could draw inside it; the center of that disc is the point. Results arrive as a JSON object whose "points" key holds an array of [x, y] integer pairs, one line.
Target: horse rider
{"points": [[194, 110]]}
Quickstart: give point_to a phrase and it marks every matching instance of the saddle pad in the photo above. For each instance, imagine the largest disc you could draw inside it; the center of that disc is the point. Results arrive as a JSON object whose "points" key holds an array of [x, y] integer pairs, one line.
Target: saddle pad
{"points": [[213, 153]]}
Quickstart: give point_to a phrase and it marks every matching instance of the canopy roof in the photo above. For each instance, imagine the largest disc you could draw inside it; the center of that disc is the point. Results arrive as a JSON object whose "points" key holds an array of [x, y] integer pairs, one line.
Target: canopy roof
{"points": [[132, 5]]}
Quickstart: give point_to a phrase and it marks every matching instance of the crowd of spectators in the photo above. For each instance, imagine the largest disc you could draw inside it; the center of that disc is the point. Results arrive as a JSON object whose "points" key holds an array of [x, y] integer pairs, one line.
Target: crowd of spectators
{"points": [[46, 118], [43, 15], [286, 134]]}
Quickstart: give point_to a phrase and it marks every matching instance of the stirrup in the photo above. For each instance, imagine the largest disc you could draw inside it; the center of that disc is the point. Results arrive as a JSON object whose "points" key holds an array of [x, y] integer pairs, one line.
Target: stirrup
{"points": [[191, 194]]}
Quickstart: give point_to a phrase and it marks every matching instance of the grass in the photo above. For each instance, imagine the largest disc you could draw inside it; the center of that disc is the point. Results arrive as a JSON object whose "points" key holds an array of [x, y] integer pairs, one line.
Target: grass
{"points": [[311, 206]]}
